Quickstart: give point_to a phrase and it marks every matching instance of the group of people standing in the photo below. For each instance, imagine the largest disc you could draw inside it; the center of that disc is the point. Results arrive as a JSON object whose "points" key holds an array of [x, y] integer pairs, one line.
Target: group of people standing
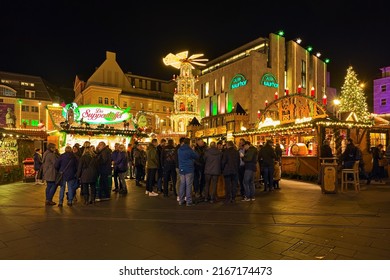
{"points": [[81, 167]]}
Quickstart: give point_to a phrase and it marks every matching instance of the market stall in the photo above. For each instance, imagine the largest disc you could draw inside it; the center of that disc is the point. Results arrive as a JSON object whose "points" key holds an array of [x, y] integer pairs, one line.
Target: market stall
{"points": [[300, 124]]}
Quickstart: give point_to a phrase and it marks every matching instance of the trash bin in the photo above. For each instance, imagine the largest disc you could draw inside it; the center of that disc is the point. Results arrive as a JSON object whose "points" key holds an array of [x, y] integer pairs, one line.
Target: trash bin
{"points": [[329, 178], [29, 172]]}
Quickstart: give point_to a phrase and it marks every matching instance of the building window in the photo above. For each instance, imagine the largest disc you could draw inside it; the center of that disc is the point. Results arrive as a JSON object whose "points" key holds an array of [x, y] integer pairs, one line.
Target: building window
{"points": [[29, 93], [100, 100], [141, 105], [383, 88], [206, 89], [34, 109], [377, 138], [215, 86], [124, 104], [383, 102], [303, 74], [164, 108], [149, 107], [25, 108], [112, 101], [222, 84], [157, 107], [106, 100], [133, 105]]}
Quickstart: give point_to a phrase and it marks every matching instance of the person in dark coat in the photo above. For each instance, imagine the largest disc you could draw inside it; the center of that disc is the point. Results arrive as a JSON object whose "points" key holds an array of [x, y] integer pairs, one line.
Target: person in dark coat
{"points": [[87, 174], [168, 163], [122, 166], [230, 163], [250, 160], [268, 155], [104, 170], [115, 158], [37, 166], [67, 164], [212, 170]]}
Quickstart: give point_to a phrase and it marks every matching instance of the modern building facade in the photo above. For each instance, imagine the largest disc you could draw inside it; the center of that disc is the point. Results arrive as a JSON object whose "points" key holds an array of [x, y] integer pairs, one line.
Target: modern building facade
{"points": [[253, 76], [381, 98]]}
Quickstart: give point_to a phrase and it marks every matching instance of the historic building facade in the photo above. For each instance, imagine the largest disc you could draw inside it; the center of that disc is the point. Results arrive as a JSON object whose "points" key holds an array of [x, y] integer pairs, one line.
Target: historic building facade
{"points": [[23, 101], [150, 100]]}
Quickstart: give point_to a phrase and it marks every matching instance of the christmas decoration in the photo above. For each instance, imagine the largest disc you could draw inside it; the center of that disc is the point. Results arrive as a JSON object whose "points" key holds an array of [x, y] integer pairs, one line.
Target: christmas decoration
{"points": [[352, 98]]}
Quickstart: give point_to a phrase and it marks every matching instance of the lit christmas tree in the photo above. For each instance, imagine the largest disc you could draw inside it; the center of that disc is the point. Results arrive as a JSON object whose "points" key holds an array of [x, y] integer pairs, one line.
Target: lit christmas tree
{"points": [[353, 98]]}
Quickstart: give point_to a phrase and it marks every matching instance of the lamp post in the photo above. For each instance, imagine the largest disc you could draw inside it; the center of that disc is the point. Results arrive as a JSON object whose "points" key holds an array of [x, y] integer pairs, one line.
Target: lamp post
{"points": [[39, 111], [20, 101], [336, 103]]}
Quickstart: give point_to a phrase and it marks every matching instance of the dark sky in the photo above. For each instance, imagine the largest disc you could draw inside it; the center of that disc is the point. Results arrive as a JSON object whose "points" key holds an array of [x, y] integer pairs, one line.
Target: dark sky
{"points": [[58, 40]]}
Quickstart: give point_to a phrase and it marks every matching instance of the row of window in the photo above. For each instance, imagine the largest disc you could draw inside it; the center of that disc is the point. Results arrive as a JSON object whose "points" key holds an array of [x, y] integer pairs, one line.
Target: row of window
{"points": [[133, 105], [12, 82], [26, 108]]}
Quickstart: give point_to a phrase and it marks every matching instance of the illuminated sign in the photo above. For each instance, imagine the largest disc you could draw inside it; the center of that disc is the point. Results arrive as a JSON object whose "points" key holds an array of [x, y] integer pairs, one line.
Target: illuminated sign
{"points": [[96, 114], [268, 122], [238, 81], [269, 80]]}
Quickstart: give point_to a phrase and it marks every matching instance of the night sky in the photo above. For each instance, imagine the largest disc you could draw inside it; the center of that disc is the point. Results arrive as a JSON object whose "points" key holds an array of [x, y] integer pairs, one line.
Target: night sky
{"points": [[58, 41]]}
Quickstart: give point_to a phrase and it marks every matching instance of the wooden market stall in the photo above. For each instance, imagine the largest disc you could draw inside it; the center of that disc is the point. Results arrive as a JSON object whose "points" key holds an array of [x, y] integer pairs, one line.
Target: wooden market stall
{"points": [[300, 124]]}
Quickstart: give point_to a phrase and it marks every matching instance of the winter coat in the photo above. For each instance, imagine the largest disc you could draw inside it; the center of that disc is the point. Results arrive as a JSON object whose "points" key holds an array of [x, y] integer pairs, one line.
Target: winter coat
{"points": [[212, 158], [186, 157], [168, 156], [250, 158], [268, 155], [104, 161], [37, 161], [151, 157], [87, 169], [67, 163], [48, 166], [121, 164], [230, 161]]}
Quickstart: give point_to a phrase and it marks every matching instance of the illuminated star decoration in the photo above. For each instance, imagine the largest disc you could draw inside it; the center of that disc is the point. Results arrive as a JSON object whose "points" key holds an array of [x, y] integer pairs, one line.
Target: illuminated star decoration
{"points": [[176, 60]]}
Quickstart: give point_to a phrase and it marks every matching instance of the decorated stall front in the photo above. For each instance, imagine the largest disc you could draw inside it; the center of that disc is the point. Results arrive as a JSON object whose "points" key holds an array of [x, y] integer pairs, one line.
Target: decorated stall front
{"points": [[300, 124], [14, 149], [77, 124]]}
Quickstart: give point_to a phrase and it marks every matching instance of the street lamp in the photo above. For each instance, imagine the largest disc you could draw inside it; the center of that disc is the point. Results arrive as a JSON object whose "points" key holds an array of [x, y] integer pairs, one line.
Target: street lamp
{"points": [[336, 103], [39, 111]]}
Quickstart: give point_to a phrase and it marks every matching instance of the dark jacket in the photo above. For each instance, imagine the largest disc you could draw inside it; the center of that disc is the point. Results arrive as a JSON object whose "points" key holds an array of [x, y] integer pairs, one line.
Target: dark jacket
{"points": [[230, 161], [37, 161], [268, 155], [121, 163], [104, 161], [250, 158], [67, 163], [168, 156], [349, 153], [326, 151], [186, 157], [212, 158], [87, 169]]}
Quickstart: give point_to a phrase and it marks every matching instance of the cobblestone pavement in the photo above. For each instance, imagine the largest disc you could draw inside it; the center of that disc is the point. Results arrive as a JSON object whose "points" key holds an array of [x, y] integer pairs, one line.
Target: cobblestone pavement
{"points": [[297, 222]]}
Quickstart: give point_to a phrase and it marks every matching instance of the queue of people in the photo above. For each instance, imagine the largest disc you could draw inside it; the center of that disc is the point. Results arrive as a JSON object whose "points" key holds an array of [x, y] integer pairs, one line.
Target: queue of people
{"points": [[192, 171]]}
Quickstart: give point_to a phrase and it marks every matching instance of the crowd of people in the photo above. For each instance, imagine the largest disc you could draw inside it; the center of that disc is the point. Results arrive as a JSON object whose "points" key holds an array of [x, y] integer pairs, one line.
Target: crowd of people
{"points": [[190, 171]]}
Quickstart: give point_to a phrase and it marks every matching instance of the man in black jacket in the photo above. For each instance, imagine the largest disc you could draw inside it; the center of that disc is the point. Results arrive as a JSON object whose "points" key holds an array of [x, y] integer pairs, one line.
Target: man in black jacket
{"points": [[268, 165]]}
